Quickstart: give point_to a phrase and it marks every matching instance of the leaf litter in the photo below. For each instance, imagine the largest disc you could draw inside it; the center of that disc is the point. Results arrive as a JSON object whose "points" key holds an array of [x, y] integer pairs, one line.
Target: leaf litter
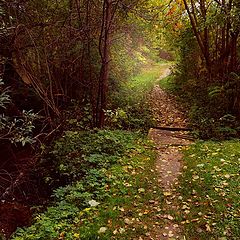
{"points": [[169, 160]]}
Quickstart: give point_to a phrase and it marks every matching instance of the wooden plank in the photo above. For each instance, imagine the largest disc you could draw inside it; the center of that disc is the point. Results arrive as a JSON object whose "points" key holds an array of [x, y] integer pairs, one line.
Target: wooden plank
{"points": [[173, 129]]}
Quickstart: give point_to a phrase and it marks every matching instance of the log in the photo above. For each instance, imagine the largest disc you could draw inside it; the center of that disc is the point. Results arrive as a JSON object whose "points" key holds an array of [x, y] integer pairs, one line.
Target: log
{"points": [[173, 129]]}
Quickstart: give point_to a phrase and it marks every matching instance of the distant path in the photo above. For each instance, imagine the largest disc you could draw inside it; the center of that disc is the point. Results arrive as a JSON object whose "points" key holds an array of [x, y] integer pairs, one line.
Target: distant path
{"points": [[166, 72], [168, 165], [165, 108]]}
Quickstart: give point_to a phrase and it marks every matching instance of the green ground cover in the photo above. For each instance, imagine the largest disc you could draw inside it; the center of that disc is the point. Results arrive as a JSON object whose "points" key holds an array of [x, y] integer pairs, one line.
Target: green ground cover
{"points": [[108, 174], [168, 83], [111, 198], [148, 76], [131, 100], [210, 191]]}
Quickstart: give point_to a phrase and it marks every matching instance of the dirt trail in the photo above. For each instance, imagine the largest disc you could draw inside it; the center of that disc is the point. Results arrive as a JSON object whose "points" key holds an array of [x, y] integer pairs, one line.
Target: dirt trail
{"points": [[168, 165], [165, 109], [165, 73]]}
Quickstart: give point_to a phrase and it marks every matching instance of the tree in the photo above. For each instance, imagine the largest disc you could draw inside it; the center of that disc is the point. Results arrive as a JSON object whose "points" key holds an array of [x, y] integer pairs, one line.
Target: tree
{"points": [[216, 27], [104, 51]]}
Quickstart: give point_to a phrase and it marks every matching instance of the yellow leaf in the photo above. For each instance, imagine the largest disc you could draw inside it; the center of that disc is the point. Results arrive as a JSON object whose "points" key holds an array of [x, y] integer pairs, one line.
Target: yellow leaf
{"points": [[76, 235], [167, 193], [208, 228]]}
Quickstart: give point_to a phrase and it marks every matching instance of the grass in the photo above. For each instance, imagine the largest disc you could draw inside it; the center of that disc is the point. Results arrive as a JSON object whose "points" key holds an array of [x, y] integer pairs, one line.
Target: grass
{"points": [[112, 200], [209, 207], [136, 89], [147, 77], [133, 96], [168, 83]]}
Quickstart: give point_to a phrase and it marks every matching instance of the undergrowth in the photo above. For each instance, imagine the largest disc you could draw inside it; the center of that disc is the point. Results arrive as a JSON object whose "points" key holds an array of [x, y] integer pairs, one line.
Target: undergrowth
{"points": [[212, 99], [131, 100], [209, 207], [168, 84], [112, 183], [208, 114]]}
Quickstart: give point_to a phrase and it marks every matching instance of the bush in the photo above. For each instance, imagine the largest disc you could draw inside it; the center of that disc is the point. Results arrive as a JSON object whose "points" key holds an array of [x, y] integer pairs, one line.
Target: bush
{"points": [[74, 213], [208, 99], [17, 129], [74, 154]]}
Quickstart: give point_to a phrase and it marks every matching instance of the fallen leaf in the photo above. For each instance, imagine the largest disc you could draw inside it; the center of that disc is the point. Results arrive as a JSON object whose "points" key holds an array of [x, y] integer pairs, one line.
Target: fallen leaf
{"points": [[93, 203], [167, 193], [208, 228], [170, 217], [127, 221], [121, 230], [141, 190], [195, 177], [102, 230]]}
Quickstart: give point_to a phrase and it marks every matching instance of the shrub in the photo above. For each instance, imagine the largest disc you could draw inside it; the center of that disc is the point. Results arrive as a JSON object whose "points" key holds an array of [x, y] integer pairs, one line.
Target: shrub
{"points": [[17, 129], [209, 99], [74, 213], [74, 154]]}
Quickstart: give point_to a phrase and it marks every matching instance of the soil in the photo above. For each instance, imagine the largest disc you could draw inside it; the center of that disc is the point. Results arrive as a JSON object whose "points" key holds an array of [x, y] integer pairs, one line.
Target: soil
{"points": [[13, 215], [21, 187], [165, 109], [167, 113]]}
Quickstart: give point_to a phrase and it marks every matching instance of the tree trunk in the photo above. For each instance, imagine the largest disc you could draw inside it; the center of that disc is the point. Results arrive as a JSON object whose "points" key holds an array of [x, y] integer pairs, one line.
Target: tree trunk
{"points": [[104, 49], [233, 53]]}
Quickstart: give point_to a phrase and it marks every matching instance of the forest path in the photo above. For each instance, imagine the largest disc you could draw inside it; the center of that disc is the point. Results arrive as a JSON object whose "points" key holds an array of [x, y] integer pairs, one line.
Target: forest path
{"points": [[169, 144]]}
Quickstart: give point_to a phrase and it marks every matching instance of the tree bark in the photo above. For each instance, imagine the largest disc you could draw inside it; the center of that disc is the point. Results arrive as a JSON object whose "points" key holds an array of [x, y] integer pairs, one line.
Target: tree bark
{"points": [[104, 50]]}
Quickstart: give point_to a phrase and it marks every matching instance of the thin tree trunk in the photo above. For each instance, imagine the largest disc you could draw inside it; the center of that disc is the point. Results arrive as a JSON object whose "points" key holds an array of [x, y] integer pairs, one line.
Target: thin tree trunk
{"points": [[104, 48], [192, 18], [233, 54]]}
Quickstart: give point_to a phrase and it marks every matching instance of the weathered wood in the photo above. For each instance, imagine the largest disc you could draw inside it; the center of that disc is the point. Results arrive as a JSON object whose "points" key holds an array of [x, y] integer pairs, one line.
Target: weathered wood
{"points": [[174, 129], [187, 137]]}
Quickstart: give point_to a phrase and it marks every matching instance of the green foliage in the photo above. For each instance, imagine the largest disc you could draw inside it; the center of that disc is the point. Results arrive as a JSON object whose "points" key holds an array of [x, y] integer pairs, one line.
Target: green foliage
{"points": [[4, 96], [214, 91], [94, 206], [15, 129], [127, 60], [131, 100], [208, 101], [76, 153], [208, 110], [18, 130], [168, 84], [66, 63], [210, 92], [208, 126], [209, 190], [78, 116]]}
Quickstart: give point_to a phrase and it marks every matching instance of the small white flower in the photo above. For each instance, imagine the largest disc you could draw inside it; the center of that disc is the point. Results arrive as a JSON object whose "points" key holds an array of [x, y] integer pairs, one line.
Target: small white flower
{"points": [[102, 230], [93, 203]]}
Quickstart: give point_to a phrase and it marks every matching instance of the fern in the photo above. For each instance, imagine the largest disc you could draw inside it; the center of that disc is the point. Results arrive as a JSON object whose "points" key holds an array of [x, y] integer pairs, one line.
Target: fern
{"points": [[4, 96]]}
